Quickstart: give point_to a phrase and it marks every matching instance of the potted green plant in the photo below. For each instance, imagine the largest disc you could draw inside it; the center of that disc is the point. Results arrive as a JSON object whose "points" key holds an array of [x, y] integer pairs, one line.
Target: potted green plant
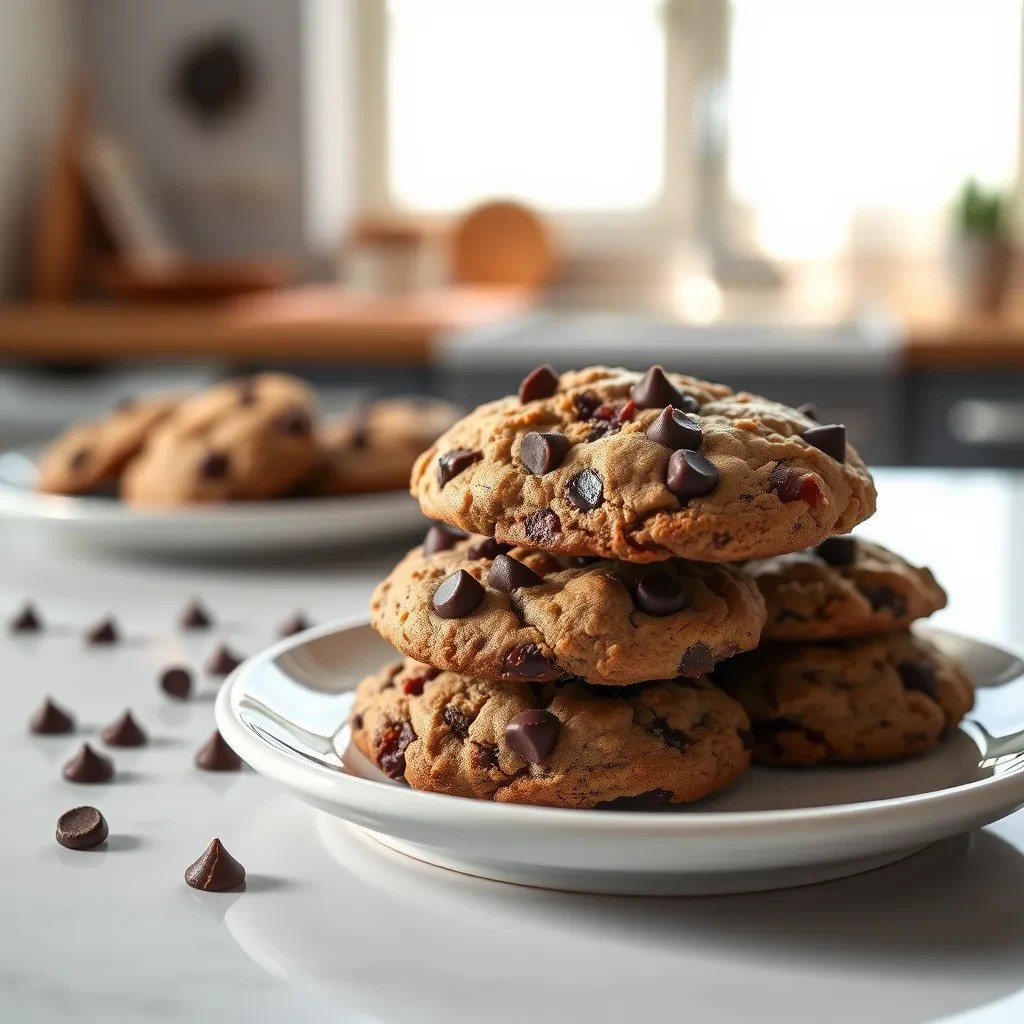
{"points": [[982, 250]]}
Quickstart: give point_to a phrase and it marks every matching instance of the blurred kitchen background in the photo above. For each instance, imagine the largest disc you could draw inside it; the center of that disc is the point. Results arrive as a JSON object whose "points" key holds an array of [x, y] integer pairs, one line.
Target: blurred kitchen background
{"points": [[820, 201]]}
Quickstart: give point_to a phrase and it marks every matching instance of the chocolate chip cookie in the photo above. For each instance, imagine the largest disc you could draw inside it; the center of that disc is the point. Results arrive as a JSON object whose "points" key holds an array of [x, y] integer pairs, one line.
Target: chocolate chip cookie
{"points": [[642, 467], [244, 440], [560, 745], [844, 587], [482, 608], [875, 699], [91, 456]]}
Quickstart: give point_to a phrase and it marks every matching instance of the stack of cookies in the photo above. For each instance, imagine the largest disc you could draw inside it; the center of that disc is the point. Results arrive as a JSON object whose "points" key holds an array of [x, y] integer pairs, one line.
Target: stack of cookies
{"points": [[608, 543]]}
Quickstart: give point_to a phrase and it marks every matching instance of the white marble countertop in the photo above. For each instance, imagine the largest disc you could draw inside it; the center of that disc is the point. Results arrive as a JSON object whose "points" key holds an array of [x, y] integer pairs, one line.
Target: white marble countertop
{"points": [[330, 929]]}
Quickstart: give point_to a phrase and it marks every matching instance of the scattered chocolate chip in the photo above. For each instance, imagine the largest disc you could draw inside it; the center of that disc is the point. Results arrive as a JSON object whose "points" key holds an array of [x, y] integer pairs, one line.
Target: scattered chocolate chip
{"points": [[585, 490], [81, 828], [88, 766], [746, 738], [50, 720], [104, 632], [669, 735], [883, 598], [459, 594], [791, 485], [690, 475], [527, 661], [675, 430], [176, 682], [295, 423], [543, 526], [830, 439], [533, 734], [392, 742], [586, 405], [298, 623], [456, 721], [214, 466], [507, 574], [541, 382], [215, 871], [808, 409], [441, 537], [655, 390], [223, 661], [660, 593], [124, 732], [216, 756], [640, 802], [195, 616], [488, 548], [837, 551], [919, 675], [452, 463], [697, 661], [79, 459], [541, 453], [26, 621]]}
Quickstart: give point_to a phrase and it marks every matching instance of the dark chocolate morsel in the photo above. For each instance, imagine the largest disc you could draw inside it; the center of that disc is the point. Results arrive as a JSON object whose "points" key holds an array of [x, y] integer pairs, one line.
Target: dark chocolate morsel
{"points": [[660, 593], [882, 598], [215, 871], [674, 429], [456, 721], [808, 409], [678, 739], [392, 741], [791, 485], [640, 802], [214, 466], [543, 526], [50, 720], [690, 475], [507, 574], [27, 620], [697, 661], [654, 390], [124, 732], [88, 766], [176, 682], [195, 616], [216, 756], [527, 661], [533, 734], [831, 439], [458, 595], [541, 382], [488, 548], [452, 463], [585, 490], [541, 453], [441, 537], [919, 675], [104, 632], [297, 623], [837, 551], [223, 661], [81, 828]]}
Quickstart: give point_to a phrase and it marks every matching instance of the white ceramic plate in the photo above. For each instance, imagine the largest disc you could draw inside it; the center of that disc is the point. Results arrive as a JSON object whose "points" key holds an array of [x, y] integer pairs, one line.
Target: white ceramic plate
{"points": [[244, 528], [285, 713]]}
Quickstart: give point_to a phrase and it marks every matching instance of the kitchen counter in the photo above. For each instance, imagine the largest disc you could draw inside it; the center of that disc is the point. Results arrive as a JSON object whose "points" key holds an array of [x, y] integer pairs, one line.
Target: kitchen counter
{"points": [[331, 928]]}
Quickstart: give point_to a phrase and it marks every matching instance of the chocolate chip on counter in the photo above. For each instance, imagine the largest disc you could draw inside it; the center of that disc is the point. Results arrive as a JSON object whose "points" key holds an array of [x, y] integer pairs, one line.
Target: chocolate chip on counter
{"points": [[298, 623], [81, 828], [533, 734], [541, 453], [295, 422], [543, 526], [541, 382], [216, 756], [489, 548], [223, 661], [176, 682], [88, 766], [919, 675], [690, 475], [585, 490], [660, 593], [215, 871], [50, 720], [452, 463], [125, 732], [195, 616], [837, 551], [791, 485], [654, 390], [674, 429], [27, 620], [808, 409], [214, 466], [831, 439], [458, 595], [507, 574], [104, 632], [640, 802], [697, 661], [441, 537], [527, 661]]}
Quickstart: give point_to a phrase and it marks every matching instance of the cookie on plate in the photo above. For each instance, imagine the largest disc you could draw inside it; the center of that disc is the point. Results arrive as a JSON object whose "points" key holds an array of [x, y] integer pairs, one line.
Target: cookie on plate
{"points": [[474, 606], [374, 447], [643, 467], [244, 440], [875, 699], [91, 456], [560, 745]]}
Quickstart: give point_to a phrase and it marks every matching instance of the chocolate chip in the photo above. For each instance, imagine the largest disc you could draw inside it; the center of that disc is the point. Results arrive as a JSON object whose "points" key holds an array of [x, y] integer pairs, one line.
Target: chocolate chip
{"points": [[458, 595], [675, 430], [441, 538], [124, 732], [541, 382], [690, 475], [88, 766], [456, 721], [654, 390], [640, 802], [176, 682], [746, 738], [413, 686], [295, 423], [543, 526], [527, 661], [214, 466], [507, 574], [541, 453], [883, 598], [452, 463], [484, 756], [837, 551], [195, 616], [392, 742], [488, 548], [660, 593], [586, 404], [215, 871], [919, 675], [104, 632], [533, 734], [808, 409], [81, 828], [216, 756], [223, 661], [50, 720], [26, 621], [298, 623], [697, 661], [585, 490], [830, 439], [79, 459], [791, 485], [677, 739]]}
